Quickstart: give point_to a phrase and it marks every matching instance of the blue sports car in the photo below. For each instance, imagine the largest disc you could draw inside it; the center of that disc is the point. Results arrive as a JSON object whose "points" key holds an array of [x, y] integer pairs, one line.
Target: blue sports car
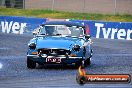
{"points": [[60, 42]]}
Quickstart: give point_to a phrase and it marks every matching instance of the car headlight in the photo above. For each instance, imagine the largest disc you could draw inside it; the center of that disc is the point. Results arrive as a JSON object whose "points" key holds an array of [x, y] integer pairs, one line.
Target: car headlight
{"points": [[32, 46], [76, 47]]}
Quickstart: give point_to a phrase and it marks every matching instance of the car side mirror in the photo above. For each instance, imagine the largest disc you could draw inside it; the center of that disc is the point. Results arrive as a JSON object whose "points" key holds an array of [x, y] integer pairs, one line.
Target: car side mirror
{"points": [[87, 36], [34, 33]]}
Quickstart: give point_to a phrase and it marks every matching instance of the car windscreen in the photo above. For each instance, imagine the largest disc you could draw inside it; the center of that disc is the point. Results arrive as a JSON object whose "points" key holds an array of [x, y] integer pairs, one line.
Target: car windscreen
{"points": [[62, 30]]}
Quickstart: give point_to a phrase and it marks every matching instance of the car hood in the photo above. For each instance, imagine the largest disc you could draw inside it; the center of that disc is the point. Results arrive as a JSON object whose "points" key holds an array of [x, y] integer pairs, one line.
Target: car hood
{"points": [[56, 42]]}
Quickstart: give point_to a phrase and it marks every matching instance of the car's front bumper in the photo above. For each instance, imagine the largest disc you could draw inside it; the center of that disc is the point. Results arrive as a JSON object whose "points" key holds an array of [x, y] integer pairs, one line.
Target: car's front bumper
{"points": [[64, 59]]}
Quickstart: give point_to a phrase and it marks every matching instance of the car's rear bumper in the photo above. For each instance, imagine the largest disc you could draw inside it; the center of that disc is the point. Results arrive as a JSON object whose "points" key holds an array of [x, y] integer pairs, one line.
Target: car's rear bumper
{"points": [[64, 59]]}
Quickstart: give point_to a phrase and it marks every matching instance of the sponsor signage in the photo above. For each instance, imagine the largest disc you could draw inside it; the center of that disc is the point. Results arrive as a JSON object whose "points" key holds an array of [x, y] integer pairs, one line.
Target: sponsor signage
{"points": [[97, 29], [111, 30], [19, 25]]}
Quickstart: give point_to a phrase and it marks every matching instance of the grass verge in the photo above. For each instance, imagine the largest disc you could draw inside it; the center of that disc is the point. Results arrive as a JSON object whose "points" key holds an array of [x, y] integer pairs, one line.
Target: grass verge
{"points": [[64, 15]]}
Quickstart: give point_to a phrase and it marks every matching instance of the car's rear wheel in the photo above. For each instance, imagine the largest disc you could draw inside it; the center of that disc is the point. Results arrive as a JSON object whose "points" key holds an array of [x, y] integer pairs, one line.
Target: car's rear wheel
{"points": [[31, 64]]}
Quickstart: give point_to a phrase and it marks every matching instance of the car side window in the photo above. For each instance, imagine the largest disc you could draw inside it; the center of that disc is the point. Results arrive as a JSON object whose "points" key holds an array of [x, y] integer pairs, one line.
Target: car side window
{"points": [[42, 31], [76, 31], [50, 30]]}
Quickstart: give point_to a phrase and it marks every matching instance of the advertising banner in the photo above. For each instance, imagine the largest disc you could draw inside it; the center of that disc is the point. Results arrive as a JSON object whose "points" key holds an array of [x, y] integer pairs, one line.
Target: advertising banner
{"points": [[19, 25], [97, 29], [111, 30]]}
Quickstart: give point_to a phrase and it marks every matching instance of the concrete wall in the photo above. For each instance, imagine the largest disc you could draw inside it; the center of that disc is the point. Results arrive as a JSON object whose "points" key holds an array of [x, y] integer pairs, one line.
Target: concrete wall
{"points": [[87, 6]]}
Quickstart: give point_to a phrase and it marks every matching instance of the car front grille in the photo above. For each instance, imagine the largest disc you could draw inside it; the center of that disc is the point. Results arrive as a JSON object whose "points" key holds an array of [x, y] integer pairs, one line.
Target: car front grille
{"points": [[54, 51]]}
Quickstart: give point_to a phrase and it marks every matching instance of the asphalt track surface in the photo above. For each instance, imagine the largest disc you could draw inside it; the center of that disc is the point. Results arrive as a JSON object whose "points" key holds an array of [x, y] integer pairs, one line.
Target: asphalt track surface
{"points": [[110, 57]]}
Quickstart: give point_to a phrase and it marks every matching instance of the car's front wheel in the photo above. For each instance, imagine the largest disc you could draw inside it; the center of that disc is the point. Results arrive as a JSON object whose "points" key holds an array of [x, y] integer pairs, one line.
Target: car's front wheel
{"points": [[78, 64], [87, 62], [31, 64]]}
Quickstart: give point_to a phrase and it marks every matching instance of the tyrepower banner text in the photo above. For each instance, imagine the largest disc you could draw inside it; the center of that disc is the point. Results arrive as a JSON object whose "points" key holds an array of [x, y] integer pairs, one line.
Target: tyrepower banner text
{"points": [[97, 29], [111, 30], [19, 25]]}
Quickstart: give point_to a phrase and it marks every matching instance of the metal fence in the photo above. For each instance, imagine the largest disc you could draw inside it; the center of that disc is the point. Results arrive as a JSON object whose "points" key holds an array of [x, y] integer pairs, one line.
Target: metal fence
{"points": [[83, 6]]}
